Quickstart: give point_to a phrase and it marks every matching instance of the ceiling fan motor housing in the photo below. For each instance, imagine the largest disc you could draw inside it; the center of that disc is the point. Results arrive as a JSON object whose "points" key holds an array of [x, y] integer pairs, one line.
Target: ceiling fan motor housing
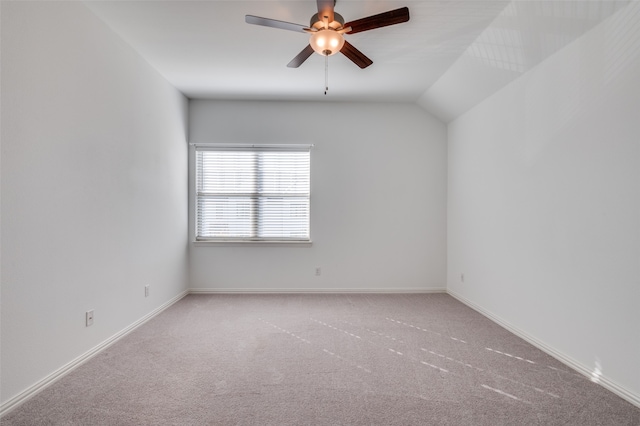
{"points": [[318, 23]]}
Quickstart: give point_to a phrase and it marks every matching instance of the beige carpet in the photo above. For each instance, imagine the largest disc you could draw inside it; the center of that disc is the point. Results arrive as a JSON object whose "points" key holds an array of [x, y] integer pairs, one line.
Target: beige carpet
{"points": [[322, 360]]}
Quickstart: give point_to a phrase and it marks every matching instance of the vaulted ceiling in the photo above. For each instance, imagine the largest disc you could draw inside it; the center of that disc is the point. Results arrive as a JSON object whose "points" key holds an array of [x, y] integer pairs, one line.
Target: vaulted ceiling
{"points": [[451, 54]]}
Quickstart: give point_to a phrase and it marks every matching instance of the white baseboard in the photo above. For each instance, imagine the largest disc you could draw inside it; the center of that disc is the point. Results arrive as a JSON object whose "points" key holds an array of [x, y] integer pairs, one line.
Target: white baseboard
{"points": [[314, 290], [606, 383], [67, 368]]}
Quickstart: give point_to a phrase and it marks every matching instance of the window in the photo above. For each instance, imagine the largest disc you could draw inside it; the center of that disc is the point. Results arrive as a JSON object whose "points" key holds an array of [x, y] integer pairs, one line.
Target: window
{"points": [[252, 193]]}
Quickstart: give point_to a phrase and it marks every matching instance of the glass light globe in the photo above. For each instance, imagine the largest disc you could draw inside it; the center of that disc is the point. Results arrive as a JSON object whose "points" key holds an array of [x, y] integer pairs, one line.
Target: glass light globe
{"points": [[326, 42]]}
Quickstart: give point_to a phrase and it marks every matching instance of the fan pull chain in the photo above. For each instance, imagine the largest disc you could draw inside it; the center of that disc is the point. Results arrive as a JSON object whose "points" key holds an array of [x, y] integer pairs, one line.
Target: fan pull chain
{"points": [[326, 74]]}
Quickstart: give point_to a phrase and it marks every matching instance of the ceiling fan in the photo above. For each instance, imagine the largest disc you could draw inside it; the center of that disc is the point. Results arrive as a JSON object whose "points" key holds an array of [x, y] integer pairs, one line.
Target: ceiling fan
{"points": [[327, 29]]}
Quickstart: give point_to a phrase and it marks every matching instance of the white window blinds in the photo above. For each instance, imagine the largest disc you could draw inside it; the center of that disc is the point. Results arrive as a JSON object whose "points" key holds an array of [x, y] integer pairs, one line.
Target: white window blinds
{"points": [[252, 193]]}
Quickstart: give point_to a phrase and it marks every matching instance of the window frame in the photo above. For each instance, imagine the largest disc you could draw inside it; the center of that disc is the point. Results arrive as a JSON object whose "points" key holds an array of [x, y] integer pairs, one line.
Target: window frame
{"points": [[198, 240]]}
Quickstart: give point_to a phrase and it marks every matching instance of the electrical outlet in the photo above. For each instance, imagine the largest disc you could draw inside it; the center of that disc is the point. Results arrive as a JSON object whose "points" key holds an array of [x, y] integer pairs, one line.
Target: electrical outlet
{"points": [[462, 277], [146, 290], [89, 318], [318, 271]]}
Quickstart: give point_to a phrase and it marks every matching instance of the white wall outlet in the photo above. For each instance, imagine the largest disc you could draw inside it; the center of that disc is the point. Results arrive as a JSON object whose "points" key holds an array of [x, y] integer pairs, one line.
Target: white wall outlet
{"points": [[462, 277], [89, 318], [318, 271], [146, 290]]}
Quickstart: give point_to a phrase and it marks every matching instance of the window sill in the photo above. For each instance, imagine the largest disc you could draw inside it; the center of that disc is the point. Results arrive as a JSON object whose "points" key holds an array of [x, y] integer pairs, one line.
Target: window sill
{"points": [[231, 243]]}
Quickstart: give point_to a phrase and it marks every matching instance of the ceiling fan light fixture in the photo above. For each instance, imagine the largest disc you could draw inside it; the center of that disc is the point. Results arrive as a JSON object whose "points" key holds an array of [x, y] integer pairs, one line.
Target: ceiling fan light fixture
{"points": [[326, 42], [327, 28]]}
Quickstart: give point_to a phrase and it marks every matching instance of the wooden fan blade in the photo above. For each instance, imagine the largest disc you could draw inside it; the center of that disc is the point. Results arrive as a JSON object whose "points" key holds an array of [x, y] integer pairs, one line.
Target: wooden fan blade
{"points": [[325, 8], [384, 19], [356, 56], [301, 57], [273, 23]]}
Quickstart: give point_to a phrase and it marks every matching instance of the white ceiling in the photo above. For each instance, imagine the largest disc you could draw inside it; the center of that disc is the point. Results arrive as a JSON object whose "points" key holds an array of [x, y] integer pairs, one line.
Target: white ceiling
{"points": [[451, 54]]}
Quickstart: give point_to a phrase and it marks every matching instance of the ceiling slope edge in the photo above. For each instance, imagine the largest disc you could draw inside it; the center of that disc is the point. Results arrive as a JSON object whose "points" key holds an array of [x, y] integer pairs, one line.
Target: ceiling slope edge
{"points": [[522, 36]]}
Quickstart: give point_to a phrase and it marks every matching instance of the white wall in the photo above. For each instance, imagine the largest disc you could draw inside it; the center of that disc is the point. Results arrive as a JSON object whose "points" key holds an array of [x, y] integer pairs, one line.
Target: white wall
{"points": [[94, 188], [544, 203], [378, 208]]}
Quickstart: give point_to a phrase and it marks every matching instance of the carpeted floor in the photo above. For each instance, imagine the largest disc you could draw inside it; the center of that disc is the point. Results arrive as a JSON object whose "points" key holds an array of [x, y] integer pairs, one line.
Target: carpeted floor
{"points": [[370, 359]]}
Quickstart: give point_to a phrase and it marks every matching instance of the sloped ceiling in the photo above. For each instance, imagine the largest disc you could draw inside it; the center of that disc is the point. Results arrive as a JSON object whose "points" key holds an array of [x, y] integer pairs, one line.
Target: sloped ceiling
{"points": [[451, 54]]}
